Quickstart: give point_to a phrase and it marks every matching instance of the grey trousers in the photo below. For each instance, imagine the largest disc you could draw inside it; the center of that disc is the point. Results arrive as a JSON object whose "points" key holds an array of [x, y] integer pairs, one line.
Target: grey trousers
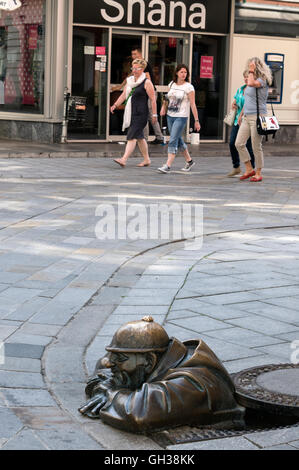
{"points": [[248, 129], [156, 126]]}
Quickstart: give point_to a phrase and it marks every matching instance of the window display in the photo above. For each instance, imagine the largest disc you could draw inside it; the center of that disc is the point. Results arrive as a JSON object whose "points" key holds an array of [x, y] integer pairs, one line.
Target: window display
{"points": [[22, 46]]}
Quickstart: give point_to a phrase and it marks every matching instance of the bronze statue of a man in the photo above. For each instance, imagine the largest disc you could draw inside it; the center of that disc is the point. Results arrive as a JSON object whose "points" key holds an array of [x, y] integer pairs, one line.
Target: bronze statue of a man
{"points": [[148, 381]]}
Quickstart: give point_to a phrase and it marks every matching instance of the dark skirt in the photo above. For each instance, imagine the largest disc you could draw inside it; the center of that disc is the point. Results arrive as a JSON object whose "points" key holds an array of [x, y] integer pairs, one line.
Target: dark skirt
{"points": [[139, 113], [138, 123]]}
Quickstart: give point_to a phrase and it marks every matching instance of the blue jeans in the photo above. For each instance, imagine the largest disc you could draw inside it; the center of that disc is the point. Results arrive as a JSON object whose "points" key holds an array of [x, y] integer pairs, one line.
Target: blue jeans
{"points": [[176, 125], [234, 152]]}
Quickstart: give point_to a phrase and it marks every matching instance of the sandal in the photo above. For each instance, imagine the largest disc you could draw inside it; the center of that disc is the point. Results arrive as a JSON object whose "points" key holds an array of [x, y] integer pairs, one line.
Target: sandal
{"points": [[119, 163], [144, 164], [256, 179]]}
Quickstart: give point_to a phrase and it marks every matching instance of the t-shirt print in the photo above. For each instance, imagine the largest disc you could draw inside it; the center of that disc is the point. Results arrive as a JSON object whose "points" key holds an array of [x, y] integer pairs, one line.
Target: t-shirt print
{"points": [[175, 100]]}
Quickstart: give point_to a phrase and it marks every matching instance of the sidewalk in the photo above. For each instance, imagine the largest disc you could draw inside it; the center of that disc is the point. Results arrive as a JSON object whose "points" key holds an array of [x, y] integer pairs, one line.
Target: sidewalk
{"points": [[18, 149], [64, 292]]}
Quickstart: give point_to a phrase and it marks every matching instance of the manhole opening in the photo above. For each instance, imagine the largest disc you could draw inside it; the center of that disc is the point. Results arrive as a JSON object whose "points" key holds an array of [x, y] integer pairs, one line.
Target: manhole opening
{"points": [[255, 421]]}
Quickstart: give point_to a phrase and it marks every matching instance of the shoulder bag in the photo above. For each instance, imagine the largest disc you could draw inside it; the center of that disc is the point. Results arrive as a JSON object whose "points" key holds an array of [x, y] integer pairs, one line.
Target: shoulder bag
{"points": [[266, 125]]}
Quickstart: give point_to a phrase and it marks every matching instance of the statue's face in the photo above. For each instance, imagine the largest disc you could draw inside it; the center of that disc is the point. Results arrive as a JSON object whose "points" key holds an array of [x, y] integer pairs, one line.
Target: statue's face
{"points": [[128, 369]]}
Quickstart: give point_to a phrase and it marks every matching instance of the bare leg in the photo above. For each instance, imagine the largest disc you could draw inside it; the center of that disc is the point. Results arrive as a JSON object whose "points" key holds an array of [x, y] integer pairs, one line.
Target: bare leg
{"points": [[131, 144], [170, 159], [248, 167], [187, 155], [143, 147]]}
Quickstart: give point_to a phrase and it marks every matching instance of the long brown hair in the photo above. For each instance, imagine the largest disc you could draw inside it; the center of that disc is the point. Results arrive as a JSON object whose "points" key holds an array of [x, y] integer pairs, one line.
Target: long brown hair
{"points": [[178, 68]]}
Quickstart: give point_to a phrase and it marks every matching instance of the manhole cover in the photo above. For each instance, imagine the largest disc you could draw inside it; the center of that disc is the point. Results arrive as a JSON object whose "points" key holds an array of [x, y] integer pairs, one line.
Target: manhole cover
{"points": [[271, 388]]}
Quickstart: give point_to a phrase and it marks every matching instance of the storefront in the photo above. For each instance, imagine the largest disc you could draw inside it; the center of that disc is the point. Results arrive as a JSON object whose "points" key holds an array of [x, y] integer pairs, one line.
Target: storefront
{"points": [[50, 49], [169, 33]]}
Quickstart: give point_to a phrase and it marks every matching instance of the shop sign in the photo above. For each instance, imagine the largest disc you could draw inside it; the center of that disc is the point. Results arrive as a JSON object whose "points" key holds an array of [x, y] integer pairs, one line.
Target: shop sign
{"points": [[187, 15], [206, 66], [10, 5]]}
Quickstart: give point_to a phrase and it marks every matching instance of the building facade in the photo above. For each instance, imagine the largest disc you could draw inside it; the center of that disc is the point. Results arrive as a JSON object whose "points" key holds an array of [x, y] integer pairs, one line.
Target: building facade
{"points": [[50, 49]]}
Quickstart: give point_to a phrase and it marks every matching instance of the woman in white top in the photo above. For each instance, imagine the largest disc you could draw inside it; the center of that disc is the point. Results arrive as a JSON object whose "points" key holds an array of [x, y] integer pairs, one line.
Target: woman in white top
{"points": [[181, 96]]}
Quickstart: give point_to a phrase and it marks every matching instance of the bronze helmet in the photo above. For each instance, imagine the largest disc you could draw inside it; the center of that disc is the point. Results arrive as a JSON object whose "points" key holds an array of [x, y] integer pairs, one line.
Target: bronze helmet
{"points": [[139, 336]]}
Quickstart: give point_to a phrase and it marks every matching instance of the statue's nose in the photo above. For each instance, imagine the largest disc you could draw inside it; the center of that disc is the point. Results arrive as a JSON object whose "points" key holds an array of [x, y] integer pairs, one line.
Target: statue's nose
{"points": [[106, 362]]}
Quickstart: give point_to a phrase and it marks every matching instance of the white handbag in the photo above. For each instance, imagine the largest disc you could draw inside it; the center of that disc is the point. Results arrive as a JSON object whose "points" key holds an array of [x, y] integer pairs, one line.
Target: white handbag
{"points": [[230, 117]]}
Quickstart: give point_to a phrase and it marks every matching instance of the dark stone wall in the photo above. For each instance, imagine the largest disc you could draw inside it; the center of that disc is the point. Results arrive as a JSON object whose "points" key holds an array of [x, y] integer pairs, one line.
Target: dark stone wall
{"points": [[31, 131]]}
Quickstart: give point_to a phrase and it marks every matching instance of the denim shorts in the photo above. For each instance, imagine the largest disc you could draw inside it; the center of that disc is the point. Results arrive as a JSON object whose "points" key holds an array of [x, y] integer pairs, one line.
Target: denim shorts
{"points": [[176, 125]]}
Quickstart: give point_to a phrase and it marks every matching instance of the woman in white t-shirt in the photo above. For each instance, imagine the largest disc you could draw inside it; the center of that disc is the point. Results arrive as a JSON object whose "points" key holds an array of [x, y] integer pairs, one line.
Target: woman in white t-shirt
{"points": [[181, 96]]}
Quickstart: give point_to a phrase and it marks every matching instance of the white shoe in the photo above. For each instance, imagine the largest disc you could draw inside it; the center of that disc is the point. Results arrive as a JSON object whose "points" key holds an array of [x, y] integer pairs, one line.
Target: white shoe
{"points": [[188, 165], [164, 169]]}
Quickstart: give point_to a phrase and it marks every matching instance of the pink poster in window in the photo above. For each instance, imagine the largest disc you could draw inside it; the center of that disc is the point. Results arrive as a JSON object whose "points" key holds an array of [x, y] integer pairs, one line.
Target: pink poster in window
{"points": [[206, 66], [100, 50]]}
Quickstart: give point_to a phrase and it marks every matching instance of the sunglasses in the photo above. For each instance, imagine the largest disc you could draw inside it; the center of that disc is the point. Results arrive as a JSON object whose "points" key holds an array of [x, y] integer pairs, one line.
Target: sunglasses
{"points": [[136, 68]]}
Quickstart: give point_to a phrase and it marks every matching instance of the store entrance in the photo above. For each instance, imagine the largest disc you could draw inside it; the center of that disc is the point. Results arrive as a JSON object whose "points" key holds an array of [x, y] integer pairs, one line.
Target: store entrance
{"points": [[162, 52]]}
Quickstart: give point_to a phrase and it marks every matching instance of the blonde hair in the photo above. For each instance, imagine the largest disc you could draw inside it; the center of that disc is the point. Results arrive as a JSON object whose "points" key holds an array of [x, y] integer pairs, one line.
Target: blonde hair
{"points": [[262, 69], [140, 62]]}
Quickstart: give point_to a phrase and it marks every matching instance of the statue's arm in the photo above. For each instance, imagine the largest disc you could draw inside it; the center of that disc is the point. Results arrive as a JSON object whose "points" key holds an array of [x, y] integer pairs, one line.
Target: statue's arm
{"points": [[155, 405]]}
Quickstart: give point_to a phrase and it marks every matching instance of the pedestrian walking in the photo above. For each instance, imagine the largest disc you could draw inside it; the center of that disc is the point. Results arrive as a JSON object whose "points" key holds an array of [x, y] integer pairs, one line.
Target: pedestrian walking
{"points": [[259, 78], [181, 97], [136, 53], [138, 90], [238, 104]]}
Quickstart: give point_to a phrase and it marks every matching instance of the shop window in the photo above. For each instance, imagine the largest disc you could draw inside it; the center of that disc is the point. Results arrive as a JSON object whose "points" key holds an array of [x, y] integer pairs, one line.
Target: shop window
{"points": [[22, 46], [267, 18], [208, 70], [88, 103]]}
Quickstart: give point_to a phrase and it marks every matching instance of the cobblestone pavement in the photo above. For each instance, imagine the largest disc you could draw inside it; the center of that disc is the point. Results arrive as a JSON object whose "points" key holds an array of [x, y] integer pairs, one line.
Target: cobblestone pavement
{"points": [[64, 292]]}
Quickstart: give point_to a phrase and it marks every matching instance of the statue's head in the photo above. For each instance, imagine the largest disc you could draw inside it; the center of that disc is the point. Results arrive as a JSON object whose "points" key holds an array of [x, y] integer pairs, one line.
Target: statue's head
{"points": [[134, 352]]}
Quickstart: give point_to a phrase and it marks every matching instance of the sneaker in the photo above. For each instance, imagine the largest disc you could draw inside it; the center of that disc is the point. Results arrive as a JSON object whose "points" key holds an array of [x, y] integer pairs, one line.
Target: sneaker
{"points": [[188, 165], [157, 142], [234, 172], [164, 169]]}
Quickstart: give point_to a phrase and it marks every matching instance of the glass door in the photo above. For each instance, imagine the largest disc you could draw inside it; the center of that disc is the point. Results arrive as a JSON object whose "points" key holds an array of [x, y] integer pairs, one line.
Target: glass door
{"points": [[163, 54], [87, 108], [123, 43]]}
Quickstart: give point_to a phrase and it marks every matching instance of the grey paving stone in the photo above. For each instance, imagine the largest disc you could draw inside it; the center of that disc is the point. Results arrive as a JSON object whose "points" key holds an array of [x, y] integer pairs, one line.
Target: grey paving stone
{"points": [[110, 296], [295, 444], [21, 364], [236, 365], [6, 331], [19, 337], [55, 313], [151, 301], [32, 351], [274, 437], [229, 443], [10, 424], [282, 350], [40, 329], [243, 337], [141, 310], [13, 379], [280, 447], [26, 439], [230, 299], [262, 325], [199, 323], [65, 363], [26, 310], [160, 282], [66, 437], [272, 311], [27, 397]]}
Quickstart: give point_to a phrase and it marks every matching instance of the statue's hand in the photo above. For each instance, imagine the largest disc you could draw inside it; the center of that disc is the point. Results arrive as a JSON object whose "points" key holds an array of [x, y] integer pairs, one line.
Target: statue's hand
{"points": [[98, 382], [93, 406]]}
